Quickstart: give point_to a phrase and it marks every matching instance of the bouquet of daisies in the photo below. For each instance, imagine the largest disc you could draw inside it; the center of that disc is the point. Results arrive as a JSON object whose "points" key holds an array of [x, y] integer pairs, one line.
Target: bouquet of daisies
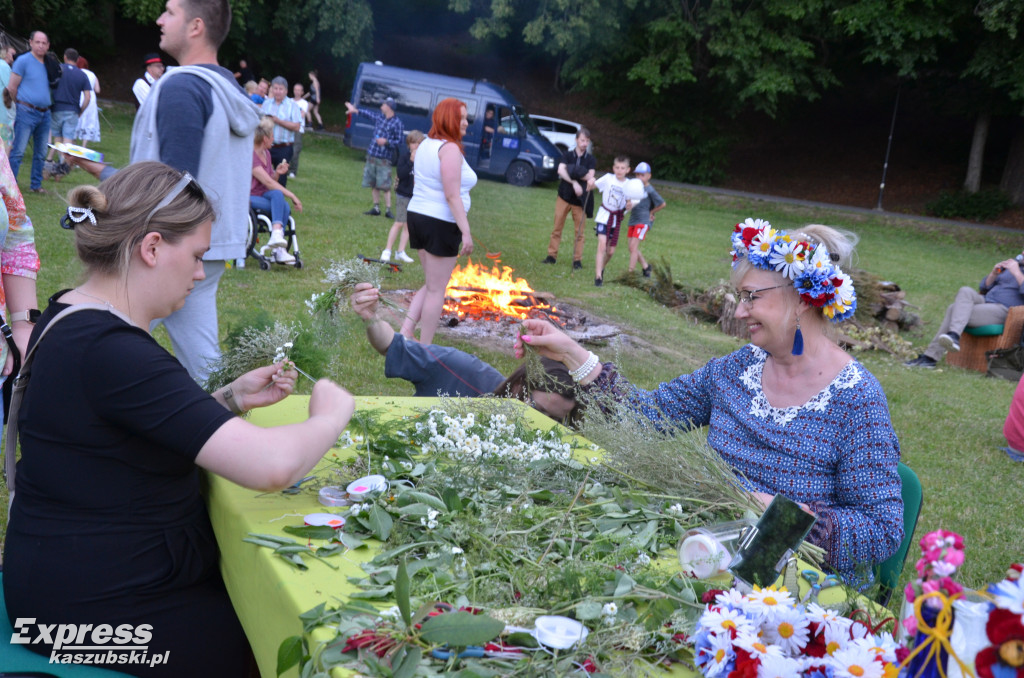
{"points": [[768, 634]]}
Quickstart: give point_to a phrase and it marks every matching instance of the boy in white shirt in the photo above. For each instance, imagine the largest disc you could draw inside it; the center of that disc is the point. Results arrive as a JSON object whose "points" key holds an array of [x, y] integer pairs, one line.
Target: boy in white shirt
{"points": [[614, 206]]}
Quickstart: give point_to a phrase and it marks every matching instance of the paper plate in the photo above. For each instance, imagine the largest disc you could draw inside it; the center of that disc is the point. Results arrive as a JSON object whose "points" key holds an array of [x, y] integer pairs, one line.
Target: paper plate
{"points": [[78, 152]]}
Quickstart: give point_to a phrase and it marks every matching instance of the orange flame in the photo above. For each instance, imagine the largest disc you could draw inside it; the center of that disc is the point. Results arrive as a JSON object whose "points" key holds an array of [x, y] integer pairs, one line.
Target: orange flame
{"points": [[479, 292]]}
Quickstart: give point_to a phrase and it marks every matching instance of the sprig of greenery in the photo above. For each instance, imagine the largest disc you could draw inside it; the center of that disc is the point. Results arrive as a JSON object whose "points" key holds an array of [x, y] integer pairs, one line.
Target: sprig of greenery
{"points": [[253, 347], [341, 278]]}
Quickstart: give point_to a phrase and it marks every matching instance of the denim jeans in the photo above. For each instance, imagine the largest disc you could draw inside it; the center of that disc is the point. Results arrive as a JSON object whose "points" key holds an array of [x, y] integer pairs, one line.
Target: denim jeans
{"points": [[63, 124], [35, 124], [275, 203]]}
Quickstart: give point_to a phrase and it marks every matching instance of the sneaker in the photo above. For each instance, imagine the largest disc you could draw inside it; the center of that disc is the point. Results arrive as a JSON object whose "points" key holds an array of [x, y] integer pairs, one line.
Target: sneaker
{"points": [[403, 257], [598, 282], [549, 260], [277, 239], [385, 255], [373, 211], [291, 175], [388, 214], [647, 270], [282, 256], [576, 265], [950, 341], [921, 361]]}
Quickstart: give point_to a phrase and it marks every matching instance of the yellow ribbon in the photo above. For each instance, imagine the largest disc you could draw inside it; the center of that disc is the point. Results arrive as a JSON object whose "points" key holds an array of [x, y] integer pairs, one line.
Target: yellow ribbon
{"points": [[937, 636]]}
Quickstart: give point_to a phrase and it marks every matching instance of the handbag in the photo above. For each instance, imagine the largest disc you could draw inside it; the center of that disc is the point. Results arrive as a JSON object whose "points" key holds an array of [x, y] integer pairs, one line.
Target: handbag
{"points": [[1006, 363], [21, 383]]}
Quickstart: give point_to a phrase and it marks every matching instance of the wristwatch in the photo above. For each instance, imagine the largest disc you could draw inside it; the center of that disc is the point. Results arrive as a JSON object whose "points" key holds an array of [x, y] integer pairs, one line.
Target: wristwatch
{"points": [[30, 316]]}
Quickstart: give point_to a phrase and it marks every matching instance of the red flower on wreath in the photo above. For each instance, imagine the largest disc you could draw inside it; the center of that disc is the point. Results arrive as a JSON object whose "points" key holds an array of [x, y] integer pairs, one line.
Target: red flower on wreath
{"points": [[1006, 632]]}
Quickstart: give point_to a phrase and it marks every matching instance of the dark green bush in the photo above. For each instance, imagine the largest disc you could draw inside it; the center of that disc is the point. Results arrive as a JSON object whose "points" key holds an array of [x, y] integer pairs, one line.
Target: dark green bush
{"points": [[981, 206]]}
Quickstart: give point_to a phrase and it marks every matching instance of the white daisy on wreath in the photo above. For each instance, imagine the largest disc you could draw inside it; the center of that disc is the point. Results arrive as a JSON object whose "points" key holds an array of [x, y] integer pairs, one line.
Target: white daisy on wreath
{"points": [[789, 629], [1009, 595], [855, 662]]}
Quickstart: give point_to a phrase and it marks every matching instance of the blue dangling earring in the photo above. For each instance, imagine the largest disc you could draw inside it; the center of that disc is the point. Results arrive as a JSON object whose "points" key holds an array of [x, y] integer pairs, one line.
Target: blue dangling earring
{"points": [[798, 339]]}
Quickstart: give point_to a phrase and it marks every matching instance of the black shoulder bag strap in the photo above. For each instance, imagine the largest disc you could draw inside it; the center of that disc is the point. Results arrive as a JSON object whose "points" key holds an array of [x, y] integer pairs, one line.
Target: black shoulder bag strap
{"points": [[21, 383]]}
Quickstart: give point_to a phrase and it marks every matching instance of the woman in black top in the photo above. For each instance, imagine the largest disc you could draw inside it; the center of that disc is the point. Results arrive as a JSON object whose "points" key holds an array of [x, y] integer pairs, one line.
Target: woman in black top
{"points": [[108, 527]]}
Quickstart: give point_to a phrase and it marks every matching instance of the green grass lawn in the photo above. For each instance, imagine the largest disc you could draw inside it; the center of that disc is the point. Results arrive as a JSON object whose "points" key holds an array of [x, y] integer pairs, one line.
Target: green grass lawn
{"points": [[949, 421]]}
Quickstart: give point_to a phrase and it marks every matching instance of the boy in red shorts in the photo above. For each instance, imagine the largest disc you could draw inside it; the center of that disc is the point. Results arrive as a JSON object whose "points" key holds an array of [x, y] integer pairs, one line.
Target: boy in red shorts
{"points": [[641, 218]]}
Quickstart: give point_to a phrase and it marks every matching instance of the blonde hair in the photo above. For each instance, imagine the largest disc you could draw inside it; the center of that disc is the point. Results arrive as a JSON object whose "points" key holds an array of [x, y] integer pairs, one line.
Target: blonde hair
{"points": [[264, 130], [414, 137], [123, 208], [250, 87]]}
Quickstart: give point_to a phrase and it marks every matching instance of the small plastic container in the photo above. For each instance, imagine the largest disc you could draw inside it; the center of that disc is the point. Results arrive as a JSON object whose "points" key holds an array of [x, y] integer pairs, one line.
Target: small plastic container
{"points": [[361, 489], [558, 632], [707, 551], [334, 496], [324, 520]]}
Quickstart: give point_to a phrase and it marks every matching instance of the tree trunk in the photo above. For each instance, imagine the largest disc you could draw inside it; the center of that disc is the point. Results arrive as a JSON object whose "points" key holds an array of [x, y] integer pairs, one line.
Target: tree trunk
{"points": [[1012, 183], [977, 156]]}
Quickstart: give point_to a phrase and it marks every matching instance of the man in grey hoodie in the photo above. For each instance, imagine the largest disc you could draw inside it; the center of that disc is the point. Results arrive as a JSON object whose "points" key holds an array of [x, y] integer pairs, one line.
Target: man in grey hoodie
{"points": [[198, 120]]}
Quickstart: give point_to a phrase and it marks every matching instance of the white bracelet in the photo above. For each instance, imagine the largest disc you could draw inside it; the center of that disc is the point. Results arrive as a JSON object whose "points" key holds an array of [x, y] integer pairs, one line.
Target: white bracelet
{"points": [[581, 372]]}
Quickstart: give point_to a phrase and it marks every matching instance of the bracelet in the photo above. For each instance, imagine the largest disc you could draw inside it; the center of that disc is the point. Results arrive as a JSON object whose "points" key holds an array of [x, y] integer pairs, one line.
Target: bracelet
{"points": [[232, 402], [581, 372]]}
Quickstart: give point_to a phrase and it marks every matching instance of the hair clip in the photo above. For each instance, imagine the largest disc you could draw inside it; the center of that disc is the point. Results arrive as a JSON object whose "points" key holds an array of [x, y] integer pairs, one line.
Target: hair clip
{"points": [[77, 215]]}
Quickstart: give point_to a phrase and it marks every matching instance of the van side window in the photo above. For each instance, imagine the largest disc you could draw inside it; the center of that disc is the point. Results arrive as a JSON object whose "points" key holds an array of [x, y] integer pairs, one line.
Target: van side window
{"points": [[507, 123], [408, 100], [471, 104]]}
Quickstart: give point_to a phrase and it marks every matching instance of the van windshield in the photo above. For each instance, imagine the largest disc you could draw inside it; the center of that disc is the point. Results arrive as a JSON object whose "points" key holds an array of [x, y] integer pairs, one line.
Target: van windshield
{"points": [[528, 122]]}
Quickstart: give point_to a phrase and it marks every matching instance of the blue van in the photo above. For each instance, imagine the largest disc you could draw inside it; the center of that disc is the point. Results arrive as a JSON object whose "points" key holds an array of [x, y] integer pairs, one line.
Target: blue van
{"points": [[515, 150]]}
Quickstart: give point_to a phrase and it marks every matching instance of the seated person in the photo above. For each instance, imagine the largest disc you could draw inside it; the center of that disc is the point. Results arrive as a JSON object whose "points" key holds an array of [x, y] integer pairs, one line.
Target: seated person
{"points": [[267, 194], [108, 524], [791, 411], [435, 370], [988, 305]]}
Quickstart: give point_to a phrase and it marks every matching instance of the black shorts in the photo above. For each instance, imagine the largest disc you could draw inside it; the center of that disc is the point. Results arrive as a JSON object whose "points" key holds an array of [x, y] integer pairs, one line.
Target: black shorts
{"points": [[436, 236]]}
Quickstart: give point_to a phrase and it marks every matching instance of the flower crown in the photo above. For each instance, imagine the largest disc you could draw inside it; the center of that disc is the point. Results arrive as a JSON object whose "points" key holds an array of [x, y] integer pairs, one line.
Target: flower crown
{"points": [[815, 274]]}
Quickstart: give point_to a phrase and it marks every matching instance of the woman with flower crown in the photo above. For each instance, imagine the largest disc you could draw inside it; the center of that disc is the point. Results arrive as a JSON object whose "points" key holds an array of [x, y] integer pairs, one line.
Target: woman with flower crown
{"points": [[791, 411]]}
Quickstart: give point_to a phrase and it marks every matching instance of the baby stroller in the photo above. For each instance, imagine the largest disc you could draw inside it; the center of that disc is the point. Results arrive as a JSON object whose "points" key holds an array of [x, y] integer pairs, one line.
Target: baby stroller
{"points": [[259, 236]]}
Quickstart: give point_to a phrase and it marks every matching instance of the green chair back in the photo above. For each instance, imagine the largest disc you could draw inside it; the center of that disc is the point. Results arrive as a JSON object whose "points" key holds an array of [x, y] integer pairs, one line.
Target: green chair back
{"points": [[16, 660], [890, 570]]}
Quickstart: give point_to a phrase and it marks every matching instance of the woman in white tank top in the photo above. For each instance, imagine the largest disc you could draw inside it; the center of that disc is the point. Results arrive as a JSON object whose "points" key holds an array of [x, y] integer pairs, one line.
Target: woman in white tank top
{"points": [[438, 222]]}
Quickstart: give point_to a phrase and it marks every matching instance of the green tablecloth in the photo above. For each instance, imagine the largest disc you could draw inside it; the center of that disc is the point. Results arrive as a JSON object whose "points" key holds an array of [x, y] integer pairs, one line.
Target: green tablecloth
{"points": [[267, 593]]}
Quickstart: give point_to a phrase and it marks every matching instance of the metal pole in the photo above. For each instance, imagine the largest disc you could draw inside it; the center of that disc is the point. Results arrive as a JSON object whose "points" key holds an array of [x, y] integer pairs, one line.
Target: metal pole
{"points": [[888, 148]]}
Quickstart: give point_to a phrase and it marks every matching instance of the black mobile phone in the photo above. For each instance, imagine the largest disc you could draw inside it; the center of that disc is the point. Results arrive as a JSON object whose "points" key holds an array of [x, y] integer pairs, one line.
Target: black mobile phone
{"points": [[766, 546]]}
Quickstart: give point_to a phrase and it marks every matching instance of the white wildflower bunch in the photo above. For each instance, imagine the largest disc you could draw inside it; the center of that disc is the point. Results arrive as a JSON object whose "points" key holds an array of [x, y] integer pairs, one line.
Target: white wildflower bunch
{"points": [[341, 277], [255, 347], [462, 437]]}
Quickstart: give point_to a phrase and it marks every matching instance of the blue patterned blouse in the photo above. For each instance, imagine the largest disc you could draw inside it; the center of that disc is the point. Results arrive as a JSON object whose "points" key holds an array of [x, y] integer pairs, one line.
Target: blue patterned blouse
{"points": [[837, 453]]}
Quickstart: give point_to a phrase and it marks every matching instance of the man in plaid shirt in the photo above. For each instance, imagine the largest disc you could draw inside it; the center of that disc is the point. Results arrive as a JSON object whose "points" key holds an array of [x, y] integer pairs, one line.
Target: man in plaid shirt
{"points": [[387, 139]]}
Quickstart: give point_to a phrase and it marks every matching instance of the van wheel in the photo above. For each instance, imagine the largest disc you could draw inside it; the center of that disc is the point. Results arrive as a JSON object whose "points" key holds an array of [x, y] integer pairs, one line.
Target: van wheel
{"points": [[519, 173]]}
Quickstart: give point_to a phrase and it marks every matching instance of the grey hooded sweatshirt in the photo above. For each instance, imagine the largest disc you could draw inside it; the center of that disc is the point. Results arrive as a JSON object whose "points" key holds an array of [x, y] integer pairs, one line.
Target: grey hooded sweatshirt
{"points": [[204, 124]]}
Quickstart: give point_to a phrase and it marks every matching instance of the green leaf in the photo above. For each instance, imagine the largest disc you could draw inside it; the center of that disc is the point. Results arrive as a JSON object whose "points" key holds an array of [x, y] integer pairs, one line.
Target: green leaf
{"points": [[406, 661], [624, 586], [452, 499], [523, 639], [311, 531], [262, 542], [350, 540], [332, 550], [380, 523], [289, 653], [588, 609], [374, 594], [293, 548], [272, 537], [417, 509], [428, 499], [295, 560], [542, 495], [402, 593], [461, 629]]}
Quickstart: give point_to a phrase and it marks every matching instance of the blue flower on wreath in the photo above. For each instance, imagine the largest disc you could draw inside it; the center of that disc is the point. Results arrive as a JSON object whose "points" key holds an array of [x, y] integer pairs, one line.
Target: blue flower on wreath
{"points": [[815, 286]]}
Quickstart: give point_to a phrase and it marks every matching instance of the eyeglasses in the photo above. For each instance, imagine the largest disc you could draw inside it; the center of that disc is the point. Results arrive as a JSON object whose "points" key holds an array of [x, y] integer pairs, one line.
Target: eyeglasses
{"points": [[747, 297], [182, 184]]}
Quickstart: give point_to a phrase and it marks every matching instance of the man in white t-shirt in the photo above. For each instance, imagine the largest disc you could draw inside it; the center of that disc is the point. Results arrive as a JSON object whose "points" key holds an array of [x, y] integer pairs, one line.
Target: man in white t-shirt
{"points": [[299, 97]]}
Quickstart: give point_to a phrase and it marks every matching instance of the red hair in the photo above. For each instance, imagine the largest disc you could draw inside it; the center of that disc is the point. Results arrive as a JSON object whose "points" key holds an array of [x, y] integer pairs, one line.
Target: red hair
{"points": [[447, 122]]}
